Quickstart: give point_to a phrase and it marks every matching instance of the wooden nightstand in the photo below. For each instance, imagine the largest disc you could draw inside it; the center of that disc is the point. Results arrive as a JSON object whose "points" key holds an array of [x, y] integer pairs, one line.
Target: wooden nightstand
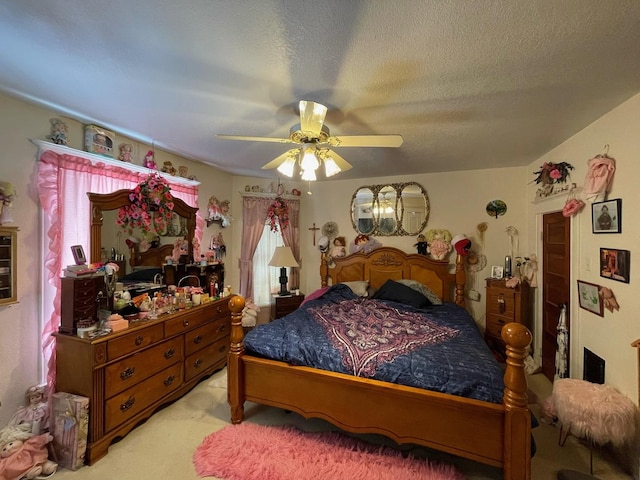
{"points": [[280, 306], [505, 305]]}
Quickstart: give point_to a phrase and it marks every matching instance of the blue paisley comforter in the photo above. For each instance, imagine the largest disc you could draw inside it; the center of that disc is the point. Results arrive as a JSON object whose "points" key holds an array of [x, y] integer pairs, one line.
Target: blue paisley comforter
{"points": [[437, 348]]}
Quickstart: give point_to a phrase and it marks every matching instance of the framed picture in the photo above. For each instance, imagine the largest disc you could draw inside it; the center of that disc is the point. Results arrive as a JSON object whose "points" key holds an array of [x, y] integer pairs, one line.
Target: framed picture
{"points": [[614, 264], [589, 298], [497, 271], [78, 254], [606, 217]]}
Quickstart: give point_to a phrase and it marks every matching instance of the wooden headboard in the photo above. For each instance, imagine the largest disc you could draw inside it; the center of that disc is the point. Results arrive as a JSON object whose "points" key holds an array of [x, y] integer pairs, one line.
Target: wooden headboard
{"points": [[387, 263], [154, 257]]}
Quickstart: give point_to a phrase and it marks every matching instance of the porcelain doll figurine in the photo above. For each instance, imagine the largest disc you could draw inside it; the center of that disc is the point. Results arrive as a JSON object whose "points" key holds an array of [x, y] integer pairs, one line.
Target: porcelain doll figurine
{"points": [[36, 413]]}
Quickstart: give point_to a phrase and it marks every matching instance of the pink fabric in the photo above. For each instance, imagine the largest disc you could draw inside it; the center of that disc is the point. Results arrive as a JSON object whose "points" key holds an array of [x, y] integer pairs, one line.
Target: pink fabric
{"points": [[63, 183], [31, 453], [317, 294], [254, 216], [600, 172], [258, 452]]}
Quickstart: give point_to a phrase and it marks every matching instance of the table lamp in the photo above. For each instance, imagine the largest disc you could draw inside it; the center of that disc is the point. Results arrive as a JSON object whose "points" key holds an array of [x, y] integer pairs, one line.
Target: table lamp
{"points": [[283, 258]]}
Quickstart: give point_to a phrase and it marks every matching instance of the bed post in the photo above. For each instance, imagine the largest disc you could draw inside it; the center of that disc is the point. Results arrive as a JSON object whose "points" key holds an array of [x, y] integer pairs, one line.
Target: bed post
{"points": [[235, 368], [517, 422], [460, 281], [324, 270]]}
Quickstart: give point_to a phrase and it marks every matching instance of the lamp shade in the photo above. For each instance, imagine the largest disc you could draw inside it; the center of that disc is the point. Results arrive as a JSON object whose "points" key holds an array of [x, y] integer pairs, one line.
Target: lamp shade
{"points": [[283, 257]]}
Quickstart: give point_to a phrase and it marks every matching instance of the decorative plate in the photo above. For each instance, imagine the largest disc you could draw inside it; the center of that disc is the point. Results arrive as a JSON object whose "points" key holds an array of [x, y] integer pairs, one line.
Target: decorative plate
{"points": [[495, 208]]}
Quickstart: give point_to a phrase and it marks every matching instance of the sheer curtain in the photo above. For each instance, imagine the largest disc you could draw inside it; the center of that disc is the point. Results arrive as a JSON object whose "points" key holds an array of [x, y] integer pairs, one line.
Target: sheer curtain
{"points": [[63, 183]]}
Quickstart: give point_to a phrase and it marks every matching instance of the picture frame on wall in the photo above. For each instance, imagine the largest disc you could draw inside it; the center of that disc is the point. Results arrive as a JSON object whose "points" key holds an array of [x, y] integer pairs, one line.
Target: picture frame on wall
{"points": [[615, 264], [497, 272], [589, 297], [606, 217]]}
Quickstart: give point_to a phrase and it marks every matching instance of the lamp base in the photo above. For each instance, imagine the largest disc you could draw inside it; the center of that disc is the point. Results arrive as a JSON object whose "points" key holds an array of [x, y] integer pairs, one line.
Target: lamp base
{"points": [[283, 283]]}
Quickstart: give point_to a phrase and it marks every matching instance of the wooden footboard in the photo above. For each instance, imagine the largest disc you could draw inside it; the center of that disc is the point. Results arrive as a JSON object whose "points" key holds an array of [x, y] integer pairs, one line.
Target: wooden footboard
{"points": [[494, 434]]}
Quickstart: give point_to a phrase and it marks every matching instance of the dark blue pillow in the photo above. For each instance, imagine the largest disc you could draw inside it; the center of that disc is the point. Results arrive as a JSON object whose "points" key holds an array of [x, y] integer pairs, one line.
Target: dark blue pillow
{"points": [[397, 292]]}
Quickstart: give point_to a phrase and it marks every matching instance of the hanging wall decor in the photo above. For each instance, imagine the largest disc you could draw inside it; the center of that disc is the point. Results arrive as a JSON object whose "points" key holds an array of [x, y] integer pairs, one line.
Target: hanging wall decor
{"points": [[218, 212], [606, 217], [589, 296], [495, 208], [614, 264], [551, 178]]}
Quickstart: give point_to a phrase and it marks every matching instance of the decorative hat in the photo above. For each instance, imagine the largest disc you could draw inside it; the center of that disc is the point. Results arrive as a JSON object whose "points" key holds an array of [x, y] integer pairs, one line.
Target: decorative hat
{"points": [[462, 244], [323, 243]]}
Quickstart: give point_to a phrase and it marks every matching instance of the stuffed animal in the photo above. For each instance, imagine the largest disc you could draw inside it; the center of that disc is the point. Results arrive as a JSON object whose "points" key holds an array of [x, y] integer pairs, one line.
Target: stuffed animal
{"points": [[363, 244], [421, 245], [250, 314], [167, 167], [339, 249], [26, 458], [461, 244]]}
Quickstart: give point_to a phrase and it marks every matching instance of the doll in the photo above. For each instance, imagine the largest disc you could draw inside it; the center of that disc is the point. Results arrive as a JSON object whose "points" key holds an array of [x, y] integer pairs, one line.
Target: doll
{"points": [[126, 151], [421, 244], [26, 458], [363, 244], [150, 161], [36, 413], [339, 249]]}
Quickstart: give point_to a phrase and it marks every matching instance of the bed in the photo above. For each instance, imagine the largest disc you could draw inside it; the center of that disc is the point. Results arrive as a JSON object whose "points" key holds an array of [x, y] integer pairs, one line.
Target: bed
{"points": [[497, 434]]}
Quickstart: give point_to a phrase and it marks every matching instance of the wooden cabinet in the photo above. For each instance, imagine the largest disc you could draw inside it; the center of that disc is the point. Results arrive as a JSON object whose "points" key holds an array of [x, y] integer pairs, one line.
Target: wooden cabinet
{"points": [[281, 306], [128, 375], [505, 305], [79, 301], [8, 265]]}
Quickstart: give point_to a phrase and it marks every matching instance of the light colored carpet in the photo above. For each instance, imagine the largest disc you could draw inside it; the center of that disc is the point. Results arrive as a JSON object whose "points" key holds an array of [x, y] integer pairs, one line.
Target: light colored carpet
{"points": [[163, 447]]}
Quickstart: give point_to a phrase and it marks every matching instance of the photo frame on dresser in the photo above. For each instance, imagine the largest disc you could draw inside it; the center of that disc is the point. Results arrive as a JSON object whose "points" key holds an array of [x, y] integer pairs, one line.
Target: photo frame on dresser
{"points": [[606, 217], [497, 272], [78, 254], [588, 294]]}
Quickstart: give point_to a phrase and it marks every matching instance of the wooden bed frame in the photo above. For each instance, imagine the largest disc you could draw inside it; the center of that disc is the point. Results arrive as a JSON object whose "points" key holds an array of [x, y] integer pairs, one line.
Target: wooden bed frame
{"points": [[490, 433]]}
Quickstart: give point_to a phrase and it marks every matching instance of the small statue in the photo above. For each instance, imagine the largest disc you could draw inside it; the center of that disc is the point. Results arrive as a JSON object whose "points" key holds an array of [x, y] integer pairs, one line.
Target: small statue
{"points": [[150, 161], [59, 131], [422, 245]]}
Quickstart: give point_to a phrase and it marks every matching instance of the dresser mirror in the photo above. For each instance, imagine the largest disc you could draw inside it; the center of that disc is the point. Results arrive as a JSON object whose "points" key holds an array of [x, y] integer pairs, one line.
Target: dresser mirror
{"points": [[104, 210], [390, 209]]}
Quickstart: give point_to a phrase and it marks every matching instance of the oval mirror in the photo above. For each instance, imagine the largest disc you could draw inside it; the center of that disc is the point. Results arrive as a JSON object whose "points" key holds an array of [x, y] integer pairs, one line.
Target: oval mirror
{"points": [[362, 211], [414, 208]]}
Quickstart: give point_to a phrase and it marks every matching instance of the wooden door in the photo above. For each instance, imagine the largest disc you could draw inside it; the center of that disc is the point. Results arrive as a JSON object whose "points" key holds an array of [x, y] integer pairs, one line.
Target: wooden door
{"points": [[556, 286]]}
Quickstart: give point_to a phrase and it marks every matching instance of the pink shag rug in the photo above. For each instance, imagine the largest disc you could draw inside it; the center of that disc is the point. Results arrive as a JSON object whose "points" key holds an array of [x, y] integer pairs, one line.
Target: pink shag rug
{"points": [[256, 452]]}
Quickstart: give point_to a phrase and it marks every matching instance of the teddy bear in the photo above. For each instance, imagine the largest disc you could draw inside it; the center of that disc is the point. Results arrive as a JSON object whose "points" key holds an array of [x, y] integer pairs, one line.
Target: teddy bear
{"points": [[167, 167], [249, 315], [26, 458]]}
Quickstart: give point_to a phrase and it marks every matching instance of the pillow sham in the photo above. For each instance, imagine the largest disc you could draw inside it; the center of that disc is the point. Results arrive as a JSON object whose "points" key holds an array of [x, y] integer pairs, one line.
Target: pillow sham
{"points": [[423, 289], [358, 287], [397, 292]]}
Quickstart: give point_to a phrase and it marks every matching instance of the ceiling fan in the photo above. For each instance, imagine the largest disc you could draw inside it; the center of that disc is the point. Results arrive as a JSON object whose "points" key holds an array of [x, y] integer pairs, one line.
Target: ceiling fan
{"points": [[314, 141]]}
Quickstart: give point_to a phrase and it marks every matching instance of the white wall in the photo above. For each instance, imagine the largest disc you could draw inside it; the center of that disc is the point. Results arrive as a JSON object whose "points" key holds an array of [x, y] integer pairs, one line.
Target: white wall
{"points": [[610, 336]]}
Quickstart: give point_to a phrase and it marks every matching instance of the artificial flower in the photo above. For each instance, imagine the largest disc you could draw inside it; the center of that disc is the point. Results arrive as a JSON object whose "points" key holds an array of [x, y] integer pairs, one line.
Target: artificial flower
{"points": [[150, 208], [278, 214], [550, 173]]}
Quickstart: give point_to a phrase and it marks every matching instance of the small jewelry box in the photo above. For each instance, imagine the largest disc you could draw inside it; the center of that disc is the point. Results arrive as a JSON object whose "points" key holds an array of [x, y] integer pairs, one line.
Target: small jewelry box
{"points": [[99, 140]]}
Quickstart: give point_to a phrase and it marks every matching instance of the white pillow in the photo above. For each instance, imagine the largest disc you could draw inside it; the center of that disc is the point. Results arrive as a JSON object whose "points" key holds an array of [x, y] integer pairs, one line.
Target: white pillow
{"points": [[358, 287]]}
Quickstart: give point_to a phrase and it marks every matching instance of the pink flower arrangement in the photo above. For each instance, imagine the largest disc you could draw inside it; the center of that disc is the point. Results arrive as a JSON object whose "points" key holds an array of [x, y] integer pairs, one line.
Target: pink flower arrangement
{"points": [[553, 173], [150, 208], [278, 214]]}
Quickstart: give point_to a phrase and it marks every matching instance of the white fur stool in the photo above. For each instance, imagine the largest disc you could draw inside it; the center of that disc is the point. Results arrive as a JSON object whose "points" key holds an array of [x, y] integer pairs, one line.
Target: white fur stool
{"points": [[597, 413]]}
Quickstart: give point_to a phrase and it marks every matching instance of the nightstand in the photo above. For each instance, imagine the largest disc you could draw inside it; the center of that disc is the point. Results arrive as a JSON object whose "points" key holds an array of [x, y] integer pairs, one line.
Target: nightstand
{"points": [[505, 305], [281, 306]]}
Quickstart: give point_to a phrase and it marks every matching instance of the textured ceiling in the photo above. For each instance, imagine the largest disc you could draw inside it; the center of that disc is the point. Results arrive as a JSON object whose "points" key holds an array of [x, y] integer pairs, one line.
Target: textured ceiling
{"points": [[468, 84]]}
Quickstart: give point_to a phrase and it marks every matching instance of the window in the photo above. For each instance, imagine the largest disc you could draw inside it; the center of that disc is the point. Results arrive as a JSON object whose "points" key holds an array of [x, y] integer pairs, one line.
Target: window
{"points": [[265, 277]]}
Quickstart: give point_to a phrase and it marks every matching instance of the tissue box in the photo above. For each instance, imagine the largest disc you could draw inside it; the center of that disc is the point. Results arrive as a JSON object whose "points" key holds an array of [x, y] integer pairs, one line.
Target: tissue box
{"points": [[99, 140], [70, 415]]}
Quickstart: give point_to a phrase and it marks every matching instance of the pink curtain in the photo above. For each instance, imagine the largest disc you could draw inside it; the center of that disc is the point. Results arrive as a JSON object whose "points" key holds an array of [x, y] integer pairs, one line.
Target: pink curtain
{"points": [[63, 183], [291, 237], [254, 216]]}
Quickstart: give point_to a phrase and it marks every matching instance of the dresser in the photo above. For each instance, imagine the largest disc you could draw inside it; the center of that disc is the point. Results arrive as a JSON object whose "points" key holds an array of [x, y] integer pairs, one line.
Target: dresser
{"points": [[505, 305], [128, 375], [281, 306]]}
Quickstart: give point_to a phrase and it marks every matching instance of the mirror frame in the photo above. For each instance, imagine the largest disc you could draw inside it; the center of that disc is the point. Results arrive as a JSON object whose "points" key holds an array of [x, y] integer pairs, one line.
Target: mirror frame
{"points": [[399, 209], [100, 202]]}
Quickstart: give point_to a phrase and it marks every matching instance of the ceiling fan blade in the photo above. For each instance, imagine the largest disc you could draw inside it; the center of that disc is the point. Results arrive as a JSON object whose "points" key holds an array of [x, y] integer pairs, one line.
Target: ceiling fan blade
{"points": [[275, 163], [366, 141], [255, 139], [341, 162], [312, 117]]}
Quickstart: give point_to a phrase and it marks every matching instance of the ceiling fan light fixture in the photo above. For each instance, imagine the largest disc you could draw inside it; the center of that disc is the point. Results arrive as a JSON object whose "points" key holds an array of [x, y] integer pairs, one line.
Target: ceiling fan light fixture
{"points": [[331, 168], [309, 161], [287, 167], [308, 175]]}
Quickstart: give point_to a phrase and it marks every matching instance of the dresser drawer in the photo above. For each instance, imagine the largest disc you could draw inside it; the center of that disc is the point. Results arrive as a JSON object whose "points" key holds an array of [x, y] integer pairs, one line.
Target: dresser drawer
{"points": [[134, 341], [205, 335], [501, 303], [205, 358], [127, 404], [494, 327], [132, 370]]}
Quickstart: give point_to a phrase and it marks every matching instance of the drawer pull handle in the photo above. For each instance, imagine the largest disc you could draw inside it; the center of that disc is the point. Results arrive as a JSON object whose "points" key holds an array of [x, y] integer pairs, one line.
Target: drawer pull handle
{"points": [[501, 305], [128, 373], [222, 328], [219, 309], [128, 404], [185, 323], [139, 340], [169, 353], [169, 380], [198, 339], [222, 348], [197, 363]]}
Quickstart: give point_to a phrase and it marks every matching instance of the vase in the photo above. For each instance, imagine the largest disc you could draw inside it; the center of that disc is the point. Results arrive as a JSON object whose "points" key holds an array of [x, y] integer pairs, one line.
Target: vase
{"points": [[6, 216]]}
